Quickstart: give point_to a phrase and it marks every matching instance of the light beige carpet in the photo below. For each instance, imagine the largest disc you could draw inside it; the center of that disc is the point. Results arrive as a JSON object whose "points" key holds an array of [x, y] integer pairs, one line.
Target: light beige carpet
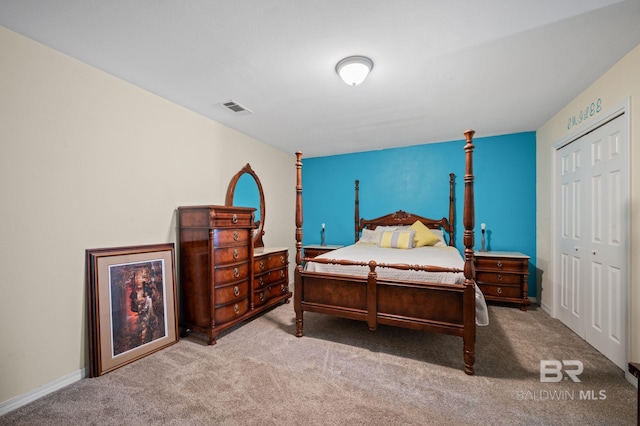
{"points": [[340, 373]]}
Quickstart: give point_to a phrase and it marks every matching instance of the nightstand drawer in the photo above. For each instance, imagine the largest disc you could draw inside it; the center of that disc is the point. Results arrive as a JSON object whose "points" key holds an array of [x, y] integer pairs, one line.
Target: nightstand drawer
{"points": [[501, 290], [501, 264], [498, 278], [317, 250]]}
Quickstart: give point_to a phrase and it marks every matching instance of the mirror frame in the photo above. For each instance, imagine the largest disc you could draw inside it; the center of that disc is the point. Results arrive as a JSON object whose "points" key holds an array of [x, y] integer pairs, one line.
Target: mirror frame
{"points": [[259, 232]]}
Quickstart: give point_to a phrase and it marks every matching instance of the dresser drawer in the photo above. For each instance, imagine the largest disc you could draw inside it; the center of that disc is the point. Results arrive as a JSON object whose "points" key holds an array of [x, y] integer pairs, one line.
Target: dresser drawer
{"points": [[229, 293], [498, 277], [270, 277], [491, 290], [501, 264], [263, 295], [265, 263], [223, 256], [230, 274], [230, 219], [225, 237], [231, 311]]}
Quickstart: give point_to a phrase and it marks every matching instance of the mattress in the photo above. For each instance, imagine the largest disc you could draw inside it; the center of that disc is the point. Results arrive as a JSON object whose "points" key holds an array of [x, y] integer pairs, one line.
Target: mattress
{"points": [[448, 257]]}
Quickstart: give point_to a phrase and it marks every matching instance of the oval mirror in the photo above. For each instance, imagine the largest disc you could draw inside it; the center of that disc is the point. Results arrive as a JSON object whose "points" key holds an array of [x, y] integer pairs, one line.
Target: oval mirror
{"points": [[245, 190]]}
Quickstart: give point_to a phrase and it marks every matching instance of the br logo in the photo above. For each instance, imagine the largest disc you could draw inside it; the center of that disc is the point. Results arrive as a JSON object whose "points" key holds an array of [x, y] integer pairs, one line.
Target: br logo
{"points": [[551, 370]]}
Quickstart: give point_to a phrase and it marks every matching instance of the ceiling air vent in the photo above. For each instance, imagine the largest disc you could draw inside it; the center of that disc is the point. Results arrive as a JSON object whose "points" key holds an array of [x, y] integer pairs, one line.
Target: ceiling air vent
{"points": [[237, 108]]}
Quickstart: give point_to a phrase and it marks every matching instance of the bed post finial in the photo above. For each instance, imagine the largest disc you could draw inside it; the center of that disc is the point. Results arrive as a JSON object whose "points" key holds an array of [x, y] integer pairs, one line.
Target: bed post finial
{"points": [[357, 212], [299, 208]]}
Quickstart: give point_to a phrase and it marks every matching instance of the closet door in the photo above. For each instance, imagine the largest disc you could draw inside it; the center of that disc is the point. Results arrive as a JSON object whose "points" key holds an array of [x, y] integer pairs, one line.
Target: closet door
{"points": [[571, 174], [593, 199]]}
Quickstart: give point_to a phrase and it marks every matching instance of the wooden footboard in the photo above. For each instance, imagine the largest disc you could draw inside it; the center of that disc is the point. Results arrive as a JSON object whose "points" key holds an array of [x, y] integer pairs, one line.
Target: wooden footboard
{"points": [[440, 308]]}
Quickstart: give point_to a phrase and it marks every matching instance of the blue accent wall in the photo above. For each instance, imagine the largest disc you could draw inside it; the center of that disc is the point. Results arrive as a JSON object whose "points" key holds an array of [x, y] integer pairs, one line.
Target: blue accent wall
{"points": [[416, 179]]}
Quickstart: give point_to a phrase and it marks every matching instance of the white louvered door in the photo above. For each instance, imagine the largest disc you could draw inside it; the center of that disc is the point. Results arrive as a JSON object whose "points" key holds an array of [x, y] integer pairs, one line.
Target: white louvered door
{"points": [[594, 273]]}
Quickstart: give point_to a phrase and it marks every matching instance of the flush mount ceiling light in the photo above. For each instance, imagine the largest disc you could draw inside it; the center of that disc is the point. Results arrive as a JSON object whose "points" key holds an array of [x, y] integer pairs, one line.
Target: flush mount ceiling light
{"points": [[354, 69]]}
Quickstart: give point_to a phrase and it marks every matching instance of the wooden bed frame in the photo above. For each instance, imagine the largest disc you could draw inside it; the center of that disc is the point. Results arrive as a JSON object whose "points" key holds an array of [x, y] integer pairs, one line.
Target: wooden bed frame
{"points": [[441, 308]]}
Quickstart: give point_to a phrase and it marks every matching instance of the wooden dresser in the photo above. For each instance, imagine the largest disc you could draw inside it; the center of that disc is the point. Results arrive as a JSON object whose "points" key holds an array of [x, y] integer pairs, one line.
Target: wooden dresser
{"points": [[502, 276], [217, 268]]}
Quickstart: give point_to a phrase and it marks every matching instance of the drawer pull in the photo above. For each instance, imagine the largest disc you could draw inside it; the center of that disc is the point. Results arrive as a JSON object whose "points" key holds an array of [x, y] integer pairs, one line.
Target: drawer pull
{"points": [[281, 274], [499, 290], [262, 265], [235, 235], [236, 291], [499, 277], [236, 309], [282, 259], [499, 264], [282, 290], [235, 253], [236, 272], [261, 296], [234, 218]]}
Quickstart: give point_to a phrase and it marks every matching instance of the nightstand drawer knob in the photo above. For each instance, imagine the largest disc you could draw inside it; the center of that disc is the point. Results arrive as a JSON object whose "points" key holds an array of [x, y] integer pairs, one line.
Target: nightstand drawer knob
{"points": [[499, 277], [236, 272], [234, 218], [499, 264], [236, 236], [236, 291], [235, 253], [499, 290], [236, 309]]}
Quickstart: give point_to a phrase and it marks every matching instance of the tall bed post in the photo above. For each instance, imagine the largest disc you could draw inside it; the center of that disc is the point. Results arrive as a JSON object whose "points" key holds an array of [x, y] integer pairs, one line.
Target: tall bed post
{"points": [[469, 338], [452, 209], [357, 212], [297, 279], [298, 209]]}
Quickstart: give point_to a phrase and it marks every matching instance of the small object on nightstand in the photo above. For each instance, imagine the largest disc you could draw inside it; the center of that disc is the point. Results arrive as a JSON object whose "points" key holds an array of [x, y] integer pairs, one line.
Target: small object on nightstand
{"points": [[483, 226], [314, 250], [322, 237], [502, 276]]}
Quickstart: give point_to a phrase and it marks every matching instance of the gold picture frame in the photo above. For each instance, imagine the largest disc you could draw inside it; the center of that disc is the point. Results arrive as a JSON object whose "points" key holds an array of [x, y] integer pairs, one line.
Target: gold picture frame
{"points": [[132, 306]]}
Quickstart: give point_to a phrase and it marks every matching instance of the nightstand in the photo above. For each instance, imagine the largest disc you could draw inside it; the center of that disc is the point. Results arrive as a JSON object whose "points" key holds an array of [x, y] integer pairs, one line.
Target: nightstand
{"points": [[314, 250], [502, 276]]}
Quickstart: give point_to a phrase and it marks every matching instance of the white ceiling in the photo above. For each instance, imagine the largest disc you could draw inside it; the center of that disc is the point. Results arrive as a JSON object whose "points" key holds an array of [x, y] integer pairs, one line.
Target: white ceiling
{"points": [[441, 67]]}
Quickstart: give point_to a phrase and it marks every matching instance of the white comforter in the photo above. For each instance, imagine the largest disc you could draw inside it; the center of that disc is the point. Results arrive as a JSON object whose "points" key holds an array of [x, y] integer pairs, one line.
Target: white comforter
{"points": [[448, 257]]}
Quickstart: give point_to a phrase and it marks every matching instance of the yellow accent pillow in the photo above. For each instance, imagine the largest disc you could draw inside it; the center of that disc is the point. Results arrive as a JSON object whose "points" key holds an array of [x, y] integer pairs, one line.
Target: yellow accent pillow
{"points": [[397, 239], [424, 236]]}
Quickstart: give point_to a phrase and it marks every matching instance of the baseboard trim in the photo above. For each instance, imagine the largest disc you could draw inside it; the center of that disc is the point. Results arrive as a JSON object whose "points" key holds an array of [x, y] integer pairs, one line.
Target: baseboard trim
{"points": [[631, 379], [19, 401]]}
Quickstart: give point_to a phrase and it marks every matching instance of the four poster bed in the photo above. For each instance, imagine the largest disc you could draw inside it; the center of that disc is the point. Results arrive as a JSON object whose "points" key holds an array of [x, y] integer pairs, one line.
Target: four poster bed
{"points": [[399, 290]]}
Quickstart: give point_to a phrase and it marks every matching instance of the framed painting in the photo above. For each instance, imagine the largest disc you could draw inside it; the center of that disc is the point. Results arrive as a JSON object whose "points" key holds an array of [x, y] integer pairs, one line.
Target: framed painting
{"points": [[132, 305]]}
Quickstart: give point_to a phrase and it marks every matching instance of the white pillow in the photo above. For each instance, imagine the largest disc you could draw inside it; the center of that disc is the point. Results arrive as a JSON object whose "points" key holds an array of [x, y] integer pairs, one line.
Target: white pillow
{"points": [[386, 228], [369, 237], [440, 234]]}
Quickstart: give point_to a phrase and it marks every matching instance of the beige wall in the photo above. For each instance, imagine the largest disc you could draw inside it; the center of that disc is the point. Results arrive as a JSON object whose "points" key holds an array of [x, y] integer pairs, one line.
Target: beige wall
{"points": [[90, 161], [616, 86]]}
